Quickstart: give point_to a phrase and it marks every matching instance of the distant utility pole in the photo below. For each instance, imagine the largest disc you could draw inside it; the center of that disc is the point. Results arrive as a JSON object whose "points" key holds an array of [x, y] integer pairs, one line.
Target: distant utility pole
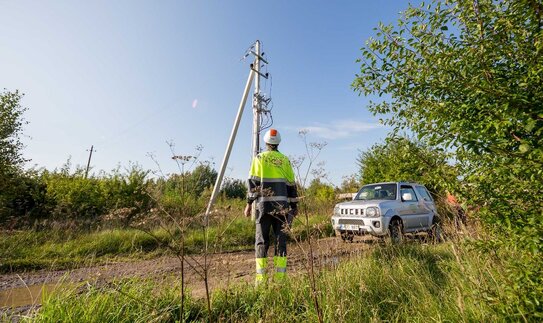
{"points": [[88, 163]]}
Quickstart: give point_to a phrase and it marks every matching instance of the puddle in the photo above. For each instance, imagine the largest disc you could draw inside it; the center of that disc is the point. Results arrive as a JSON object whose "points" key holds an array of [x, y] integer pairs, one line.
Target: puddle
{"points": [[24, 296]]}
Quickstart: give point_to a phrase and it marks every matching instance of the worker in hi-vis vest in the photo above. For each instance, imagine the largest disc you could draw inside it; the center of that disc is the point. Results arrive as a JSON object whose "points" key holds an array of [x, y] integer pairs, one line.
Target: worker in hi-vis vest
{"points": [[272, 186]]}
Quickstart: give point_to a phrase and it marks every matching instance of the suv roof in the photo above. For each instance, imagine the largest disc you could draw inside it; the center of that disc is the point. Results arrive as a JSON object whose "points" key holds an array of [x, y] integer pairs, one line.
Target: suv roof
{"points": [[410, 183]]}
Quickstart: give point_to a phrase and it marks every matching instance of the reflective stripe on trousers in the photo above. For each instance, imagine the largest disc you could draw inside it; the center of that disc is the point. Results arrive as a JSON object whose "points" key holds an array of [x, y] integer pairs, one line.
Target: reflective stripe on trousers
{"points": [[261, 266], [280, 264]]}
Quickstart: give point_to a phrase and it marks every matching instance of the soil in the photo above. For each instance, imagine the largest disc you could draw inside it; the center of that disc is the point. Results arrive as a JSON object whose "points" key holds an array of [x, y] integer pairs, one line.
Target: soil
{"points": [[20, 292]]}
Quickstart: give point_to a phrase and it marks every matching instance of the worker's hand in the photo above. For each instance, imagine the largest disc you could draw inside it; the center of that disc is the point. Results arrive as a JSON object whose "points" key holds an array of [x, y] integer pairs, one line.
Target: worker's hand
{"points": [[247, 211]]}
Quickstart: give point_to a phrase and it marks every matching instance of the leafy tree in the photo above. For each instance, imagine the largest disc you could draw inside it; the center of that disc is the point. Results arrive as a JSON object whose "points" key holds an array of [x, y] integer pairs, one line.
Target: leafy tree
{"points": [[350, 184], [467, 75], [400, 159], [234, 188], [203, 176], [183, 193], [12, 186], [126, 189], [320, 192], [73, 196], [463, 73], [11, 127]]}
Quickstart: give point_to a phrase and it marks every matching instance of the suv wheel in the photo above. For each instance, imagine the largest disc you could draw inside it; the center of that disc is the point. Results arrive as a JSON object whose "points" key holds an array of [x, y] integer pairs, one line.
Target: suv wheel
{"points": [[395, 231]]}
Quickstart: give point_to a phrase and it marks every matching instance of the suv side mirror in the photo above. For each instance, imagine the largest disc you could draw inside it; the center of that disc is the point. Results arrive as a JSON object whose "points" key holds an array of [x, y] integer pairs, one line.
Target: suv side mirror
{"points": [[407, 197]]}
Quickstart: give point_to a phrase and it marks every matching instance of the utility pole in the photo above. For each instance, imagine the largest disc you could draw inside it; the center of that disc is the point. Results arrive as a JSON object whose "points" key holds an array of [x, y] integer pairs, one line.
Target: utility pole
{"points": [[257, 109], [88, 162], [256, 102], [257, 98]]}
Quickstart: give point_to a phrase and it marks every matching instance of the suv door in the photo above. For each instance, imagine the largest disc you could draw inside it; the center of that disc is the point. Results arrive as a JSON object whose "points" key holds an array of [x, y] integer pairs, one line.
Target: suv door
{"points": [[413, 213], [427, 203]]}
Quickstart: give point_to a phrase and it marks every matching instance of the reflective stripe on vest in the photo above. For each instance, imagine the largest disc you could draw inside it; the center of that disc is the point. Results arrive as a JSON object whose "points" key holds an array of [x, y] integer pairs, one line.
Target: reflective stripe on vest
{"points": [[272, 199]]}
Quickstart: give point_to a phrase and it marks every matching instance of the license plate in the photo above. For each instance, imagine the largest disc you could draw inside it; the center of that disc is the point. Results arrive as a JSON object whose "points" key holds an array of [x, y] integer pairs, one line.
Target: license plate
{"points": [[352, 227]]}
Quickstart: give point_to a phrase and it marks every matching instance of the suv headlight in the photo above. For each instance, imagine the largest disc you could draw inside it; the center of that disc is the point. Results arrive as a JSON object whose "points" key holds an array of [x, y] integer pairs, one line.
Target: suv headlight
{"points": [[372, 212], [336, 210]]}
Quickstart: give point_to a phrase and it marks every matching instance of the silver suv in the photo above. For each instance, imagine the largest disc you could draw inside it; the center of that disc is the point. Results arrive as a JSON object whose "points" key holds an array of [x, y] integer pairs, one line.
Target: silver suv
{"points": [[387, 209]]}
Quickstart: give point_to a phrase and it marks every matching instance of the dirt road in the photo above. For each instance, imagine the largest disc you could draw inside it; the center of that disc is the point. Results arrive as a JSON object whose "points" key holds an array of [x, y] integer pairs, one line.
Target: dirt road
{"points": [[18, 291]]}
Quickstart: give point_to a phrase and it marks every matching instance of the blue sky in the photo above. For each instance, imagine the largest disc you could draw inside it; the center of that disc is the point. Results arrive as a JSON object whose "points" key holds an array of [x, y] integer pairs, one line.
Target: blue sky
{"points": [[126, 76]]}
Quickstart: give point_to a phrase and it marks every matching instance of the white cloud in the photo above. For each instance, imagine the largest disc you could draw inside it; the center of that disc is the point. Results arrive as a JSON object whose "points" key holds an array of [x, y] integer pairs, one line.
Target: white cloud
{"points": [[340, 129]]}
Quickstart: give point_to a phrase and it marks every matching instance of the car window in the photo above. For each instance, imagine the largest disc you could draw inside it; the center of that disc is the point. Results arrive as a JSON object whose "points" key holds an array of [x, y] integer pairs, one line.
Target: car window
{"points": [[377, 192], [408, 190], [424, 193]]}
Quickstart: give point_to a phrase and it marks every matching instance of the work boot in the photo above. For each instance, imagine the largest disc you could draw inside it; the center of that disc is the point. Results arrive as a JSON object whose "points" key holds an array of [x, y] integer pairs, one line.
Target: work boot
{"points": [[280, 264], [261, 267]]}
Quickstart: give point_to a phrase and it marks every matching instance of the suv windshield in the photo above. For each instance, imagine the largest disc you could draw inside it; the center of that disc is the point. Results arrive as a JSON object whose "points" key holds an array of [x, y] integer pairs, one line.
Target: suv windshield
{"points": [[377, 192]]}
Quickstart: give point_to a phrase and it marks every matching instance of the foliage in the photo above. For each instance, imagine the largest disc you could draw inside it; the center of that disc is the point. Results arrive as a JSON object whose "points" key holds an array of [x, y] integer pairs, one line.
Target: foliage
{"points": [[201, 178], [462, 73], [467, 75], [11, 126], [320, 193], [119, 195], [72, 194], [400, 159], [234, 188], [15, 190], [350, 184], [185, 194], [26, 196]]}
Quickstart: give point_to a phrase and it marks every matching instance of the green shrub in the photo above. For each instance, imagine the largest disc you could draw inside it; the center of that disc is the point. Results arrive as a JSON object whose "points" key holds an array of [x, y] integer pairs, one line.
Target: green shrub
{"points": [[234, 188]]}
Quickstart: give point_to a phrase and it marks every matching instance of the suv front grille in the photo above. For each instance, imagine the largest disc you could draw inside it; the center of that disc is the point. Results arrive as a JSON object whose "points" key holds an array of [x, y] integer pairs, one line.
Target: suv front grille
{"points": [[351, 221], [351, 212]]}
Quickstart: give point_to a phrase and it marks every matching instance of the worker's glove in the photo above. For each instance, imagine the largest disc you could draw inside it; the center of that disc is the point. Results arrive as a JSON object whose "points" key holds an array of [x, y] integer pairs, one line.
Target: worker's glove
{"points": [[248, 210]]}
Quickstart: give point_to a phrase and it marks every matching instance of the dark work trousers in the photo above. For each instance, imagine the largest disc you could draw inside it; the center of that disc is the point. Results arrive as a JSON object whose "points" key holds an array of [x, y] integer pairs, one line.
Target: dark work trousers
{"points": [[278, 223]]}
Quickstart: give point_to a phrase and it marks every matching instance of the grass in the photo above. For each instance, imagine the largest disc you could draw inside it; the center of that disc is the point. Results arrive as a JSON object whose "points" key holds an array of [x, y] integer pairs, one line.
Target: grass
{"points": [[419, 283], [126, 301], [55, 249]]}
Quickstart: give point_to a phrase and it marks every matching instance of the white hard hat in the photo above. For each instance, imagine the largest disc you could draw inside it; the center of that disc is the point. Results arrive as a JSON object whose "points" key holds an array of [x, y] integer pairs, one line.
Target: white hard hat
{"points": [[272, 137]]}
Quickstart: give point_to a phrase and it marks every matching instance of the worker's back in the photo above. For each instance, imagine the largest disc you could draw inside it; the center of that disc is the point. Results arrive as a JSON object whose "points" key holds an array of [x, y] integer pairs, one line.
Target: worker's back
{"points": [[271, 180]]}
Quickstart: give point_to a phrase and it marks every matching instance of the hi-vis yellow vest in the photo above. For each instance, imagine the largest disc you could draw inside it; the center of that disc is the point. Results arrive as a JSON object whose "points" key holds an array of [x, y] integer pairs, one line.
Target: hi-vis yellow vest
{"points": [[271, 182]]}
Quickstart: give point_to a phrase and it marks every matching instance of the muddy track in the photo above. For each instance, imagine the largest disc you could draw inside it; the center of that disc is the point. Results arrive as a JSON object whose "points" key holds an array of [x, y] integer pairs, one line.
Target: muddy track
{"points": [[225, 269]]}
